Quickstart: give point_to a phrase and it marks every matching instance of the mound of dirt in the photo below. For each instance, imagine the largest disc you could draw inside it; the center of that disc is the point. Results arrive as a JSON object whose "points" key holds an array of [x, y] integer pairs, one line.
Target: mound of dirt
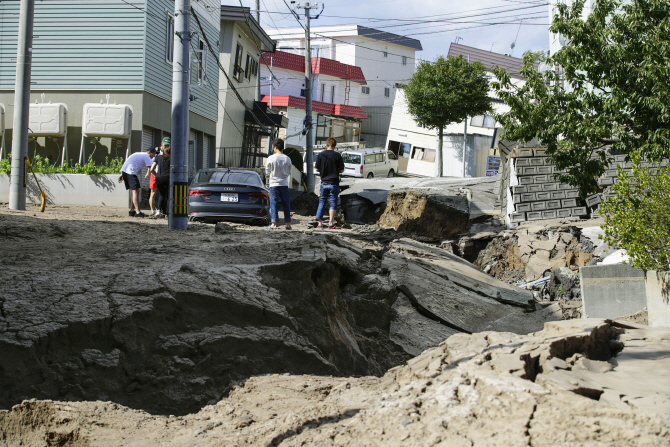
{"points": [[439, 217], [586, 382]]}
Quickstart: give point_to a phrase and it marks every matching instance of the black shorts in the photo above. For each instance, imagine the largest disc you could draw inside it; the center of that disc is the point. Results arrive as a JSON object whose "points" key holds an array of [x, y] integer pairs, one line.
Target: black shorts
{"points": [[131, 181]]}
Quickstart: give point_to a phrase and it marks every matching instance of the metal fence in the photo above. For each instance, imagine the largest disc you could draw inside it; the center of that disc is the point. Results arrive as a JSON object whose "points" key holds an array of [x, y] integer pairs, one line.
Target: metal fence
{"points": [[240, 157]]}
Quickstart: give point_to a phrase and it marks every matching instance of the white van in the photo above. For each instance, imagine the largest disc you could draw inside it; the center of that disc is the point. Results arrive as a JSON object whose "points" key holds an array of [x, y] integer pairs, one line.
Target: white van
{"points": [[369, 163]]}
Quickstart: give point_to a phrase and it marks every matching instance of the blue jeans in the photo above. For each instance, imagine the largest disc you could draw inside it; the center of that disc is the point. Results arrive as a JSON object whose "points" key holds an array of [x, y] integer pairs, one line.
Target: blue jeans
{"points": [[277, 194], [330, 193]]}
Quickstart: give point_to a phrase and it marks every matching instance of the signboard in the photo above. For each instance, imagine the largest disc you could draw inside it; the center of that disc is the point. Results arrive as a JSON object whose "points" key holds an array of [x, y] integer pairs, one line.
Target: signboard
{"points": [[492, 165]]}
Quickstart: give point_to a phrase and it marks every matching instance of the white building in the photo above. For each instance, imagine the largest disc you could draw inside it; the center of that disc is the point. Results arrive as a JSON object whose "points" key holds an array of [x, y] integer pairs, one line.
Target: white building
{"points": [[417, 146], [335, 97], [388, 61]]}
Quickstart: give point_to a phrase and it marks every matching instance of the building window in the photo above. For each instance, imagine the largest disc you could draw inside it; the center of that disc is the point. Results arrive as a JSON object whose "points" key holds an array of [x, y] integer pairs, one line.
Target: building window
{"points": [[332, 94], [483, 121], [251, 67], [198, 61], [386, 54], [169, 38], [323, 92], [404, 60], [237, 69], [365, 90], [387, 92], [419, 153], [343, 130]]}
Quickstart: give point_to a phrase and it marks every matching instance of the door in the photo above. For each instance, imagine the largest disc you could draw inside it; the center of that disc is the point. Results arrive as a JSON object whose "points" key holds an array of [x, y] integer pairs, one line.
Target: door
{"points": [[205, 152], [370, 160], [380, 165]]}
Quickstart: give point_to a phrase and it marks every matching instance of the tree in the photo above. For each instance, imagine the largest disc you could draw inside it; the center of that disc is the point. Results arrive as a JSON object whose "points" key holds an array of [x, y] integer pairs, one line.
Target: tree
{"points": [[607, 87], [638, 217], [447, 91]]}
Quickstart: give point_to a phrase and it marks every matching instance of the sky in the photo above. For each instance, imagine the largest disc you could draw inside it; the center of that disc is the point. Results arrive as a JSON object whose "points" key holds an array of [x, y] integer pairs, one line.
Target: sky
{"points": [[441, 22]]}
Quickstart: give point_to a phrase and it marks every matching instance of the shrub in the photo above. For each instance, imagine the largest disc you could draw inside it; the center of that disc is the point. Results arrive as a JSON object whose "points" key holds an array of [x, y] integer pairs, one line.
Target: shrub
{"points": [[43, 166], [637, 219]]}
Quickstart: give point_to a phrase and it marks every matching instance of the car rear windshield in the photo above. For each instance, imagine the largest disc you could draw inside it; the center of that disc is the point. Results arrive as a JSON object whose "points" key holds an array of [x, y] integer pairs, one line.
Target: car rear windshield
{"points": [[237, 178], [354, 159]]}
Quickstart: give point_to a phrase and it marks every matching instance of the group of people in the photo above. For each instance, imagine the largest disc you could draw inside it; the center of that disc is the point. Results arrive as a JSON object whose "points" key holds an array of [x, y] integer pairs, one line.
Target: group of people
{"points": [[157, 159], [329, 164]]}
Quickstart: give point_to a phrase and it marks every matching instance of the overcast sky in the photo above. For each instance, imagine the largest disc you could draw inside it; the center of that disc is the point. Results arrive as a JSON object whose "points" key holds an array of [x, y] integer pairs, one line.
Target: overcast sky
{"points": [[529, 19]]}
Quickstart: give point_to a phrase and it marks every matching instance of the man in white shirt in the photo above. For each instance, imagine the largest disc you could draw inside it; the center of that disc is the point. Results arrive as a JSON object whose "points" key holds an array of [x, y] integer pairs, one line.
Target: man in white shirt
{"points": [[278, 170], [133, 165]]}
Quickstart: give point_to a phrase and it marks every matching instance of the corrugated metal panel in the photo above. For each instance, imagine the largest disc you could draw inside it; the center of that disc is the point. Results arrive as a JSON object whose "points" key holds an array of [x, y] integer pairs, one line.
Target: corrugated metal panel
{"points": [[205, 151], [147, 137], [192, 144], [80, 45], [159, 71], [378, 122]]}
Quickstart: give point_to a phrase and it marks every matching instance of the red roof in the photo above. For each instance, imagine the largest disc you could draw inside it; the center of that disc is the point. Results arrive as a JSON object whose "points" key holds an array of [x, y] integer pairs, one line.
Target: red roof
{"points": [[320, 65], [317, 106]]}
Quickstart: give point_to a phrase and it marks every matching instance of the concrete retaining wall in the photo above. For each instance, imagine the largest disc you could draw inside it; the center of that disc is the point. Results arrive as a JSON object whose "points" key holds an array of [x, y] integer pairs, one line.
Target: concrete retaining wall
{"points": [[611, 291], [658, 298], [73, 189]]}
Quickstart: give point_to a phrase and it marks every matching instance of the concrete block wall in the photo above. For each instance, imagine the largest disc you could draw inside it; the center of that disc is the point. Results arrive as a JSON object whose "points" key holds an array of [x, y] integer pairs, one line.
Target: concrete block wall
{"points": [[532, 191], [534, 194]]}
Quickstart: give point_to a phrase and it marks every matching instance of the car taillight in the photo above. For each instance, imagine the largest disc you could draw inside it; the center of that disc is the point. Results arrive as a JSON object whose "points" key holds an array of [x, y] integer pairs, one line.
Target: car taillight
{"points": [[361, 169], [260, 195], [199, 193]]}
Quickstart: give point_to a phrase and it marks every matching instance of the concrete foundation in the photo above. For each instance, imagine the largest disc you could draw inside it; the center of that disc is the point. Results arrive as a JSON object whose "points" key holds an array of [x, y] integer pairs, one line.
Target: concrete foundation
{"points": [[610, 291], [73, 189], [658, 298]]}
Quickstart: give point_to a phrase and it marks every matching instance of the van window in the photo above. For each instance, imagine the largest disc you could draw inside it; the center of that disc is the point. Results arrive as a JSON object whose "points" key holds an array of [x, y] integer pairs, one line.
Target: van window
{"points": [[353, 159], [369, 158], [379, 158]]}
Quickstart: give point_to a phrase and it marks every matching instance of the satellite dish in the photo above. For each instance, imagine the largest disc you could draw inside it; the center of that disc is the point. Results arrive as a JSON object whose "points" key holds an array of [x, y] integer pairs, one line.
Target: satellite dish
{"points": [[562, 40], [542, 67]]}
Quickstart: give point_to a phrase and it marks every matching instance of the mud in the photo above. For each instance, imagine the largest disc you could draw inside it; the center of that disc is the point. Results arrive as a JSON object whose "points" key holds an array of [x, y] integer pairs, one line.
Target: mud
{"points": [[98, 306], [430, 215]]}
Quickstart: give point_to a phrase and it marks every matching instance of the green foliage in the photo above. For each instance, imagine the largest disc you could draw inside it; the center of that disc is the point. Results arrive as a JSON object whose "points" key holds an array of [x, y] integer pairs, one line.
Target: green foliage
{"points": [[612, 88], [447, 91], [638, 217], [44, 166]]}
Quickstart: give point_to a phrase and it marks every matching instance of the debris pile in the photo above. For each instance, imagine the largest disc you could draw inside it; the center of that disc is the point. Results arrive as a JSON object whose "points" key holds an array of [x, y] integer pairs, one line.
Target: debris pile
{"points": [[580, 382]]}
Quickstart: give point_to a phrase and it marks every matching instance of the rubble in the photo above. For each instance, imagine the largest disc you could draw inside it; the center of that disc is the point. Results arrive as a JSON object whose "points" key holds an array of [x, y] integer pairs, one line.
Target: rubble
{"points": [[584, 382]]}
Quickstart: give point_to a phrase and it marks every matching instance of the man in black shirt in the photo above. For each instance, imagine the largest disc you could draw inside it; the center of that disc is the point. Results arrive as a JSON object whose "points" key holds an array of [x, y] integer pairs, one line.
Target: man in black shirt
{"points": [[329, 165]]}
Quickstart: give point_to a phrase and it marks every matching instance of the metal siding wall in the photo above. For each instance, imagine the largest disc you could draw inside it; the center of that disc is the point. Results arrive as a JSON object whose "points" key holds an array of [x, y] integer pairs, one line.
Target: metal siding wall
{"points": [[192, 147], [85, 44], [159, 71]]}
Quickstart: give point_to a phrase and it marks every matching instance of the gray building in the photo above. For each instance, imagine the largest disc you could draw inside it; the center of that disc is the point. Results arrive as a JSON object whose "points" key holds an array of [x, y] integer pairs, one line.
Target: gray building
{"points": [[85, 50]]}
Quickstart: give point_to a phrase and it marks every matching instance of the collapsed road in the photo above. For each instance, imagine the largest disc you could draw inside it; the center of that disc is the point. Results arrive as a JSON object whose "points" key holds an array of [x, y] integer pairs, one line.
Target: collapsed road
{"points": [[113, 309]]}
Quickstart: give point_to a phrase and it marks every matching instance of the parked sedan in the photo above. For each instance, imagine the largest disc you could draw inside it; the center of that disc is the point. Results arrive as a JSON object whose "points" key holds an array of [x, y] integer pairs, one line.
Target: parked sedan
{"points": [[217, 195]]}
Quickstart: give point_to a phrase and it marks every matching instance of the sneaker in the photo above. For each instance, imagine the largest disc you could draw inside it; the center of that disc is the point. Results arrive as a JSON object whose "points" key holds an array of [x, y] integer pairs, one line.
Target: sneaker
{"points": [[334, 227], [140, 214], [271, 227], [319, 226], [131, 213]]}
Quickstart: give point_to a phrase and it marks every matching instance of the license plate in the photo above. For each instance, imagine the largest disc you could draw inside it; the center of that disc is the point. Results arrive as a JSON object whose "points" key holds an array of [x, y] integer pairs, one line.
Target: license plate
{"points": [[229, 197]]}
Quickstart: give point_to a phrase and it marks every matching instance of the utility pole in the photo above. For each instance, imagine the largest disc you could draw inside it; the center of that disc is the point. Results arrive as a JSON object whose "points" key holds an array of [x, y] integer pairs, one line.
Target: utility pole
{"points": [[178, 202], [309, 146], [258, 78], [465, 131], [272, 80], [24, 58]]}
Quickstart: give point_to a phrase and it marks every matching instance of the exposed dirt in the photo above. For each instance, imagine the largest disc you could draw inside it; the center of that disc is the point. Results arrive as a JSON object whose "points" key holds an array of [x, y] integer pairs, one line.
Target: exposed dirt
{"points": [[95, 305], [585, 382], [434, 216]]}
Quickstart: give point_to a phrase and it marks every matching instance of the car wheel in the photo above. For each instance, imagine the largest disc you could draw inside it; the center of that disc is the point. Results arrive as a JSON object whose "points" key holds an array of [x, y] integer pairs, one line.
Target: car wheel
{"points": [[391, 173], [370, 175]]}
